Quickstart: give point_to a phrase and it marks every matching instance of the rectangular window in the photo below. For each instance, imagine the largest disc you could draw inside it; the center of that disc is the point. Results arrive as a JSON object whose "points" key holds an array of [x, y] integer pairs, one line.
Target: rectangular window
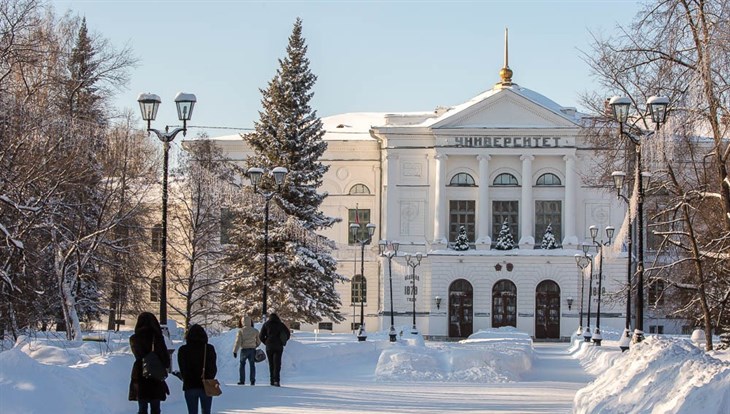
{"points": [[327, 326], [656, 329], [656, 293], [505, 210], [156, 239], [361, 217], [548, 213], [226, 225], [462, 213], [354, 326]]}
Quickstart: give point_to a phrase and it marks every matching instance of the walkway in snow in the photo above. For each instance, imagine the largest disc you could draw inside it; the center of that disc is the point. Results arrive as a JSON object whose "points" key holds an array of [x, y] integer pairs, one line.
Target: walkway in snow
{"points": [[548, 388]]}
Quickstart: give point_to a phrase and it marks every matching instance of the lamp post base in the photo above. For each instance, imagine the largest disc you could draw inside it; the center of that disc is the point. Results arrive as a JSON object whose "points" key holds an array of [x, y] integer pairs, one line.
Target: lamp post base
{"points": [[597, 337], [393, 336], [625, 341], [587, 335], [638, 336], [361, 335]]}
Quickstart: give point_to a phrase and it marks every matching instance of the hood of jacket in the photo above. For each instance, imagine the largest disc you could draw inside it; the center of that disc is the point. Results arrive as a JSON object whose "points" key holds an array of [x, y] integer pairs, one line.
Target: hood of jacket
{"points": [[196, 333]]}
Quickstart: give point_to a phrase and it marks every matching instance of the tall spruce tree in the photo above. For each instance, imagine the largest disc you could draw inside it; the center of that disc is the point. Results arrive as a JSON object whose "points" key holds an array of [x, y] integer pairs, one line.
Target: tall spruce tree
{"points": [[302, 272]]}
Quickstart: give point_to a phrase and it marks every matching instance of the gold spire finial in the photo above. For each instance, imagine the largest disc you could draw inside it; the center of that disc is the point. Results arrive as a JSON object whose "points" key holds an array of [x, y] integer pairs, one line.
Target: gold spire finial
{"points": [[506, 73]]}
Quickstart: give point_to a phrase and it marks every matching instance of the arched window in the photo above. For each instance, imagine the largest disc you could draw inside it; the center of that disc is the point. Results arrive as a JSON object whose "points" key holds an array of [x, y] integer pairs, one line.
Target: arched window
{"points": [[359, 189], [505, 179], [548, 179], [462, 180], [156, 240], [504, 304], [155, 289], [359, 289]]}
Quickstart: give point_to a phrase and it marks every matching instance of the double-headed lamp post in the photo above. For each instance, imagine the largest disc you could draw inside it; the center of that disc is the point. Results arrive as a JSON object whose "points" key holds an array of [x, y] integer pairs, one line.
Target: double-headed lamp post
{"points": [[582, 261], [390, 249], [658, 110], [355, 230], [413, 262], [587, 261], [149, 103], [597, 337], [255, 174]]}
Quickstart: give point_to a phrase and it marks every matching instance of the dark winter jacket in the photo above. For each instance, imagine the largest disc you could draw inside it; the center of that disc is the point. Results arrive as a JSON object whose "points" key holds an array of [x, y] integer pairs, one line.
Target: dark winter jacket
{"points": [[274, 333], [190, 358], [146, 332]]}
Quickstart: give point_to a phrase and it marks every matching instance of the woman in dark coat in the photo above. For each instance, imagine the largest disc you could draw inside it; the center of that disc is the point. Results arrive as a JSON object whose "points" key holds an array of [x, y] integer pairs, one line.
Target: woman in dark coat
{"points": [[190, 360], [147, 337], [274, 334]]}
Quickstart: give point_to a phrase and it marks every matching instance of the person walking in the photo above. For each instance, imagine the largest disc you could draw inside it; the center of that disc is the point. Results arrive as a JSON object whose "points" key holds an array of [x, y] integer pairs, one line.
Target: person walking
{"points": [[147, 337], [275, 335], [190, 359], [247, 340]]}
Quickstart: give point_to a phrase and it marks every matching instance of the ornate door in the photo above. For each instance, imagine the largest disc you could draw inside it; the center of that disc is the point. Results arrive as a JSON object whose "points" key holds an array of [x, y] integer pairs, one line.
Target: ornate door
{"points": [[461, 309], [504, 304], [547, 310]]}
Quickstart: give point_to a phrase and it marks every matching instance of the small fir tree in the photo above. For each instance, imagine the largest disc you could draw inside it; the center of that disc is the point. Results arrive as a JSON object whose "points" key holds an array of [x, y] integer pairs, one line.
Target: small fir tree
{"points": [[462, 242], [505, 241], [548, 239]]}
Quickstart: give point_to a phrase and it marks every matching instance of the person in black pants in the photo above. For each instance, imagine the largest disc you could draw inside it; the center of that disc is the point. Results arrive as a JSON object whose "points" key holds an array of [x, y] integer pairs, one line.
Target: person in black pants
{"points": [[274, 335], [190, 359], [147, 337]]}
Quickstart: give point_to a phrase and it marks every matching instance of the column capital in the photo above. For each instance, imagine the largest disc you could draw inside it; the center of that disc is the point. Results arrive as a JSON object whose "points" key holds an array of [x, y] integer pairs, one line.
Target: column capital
{"points": [[570, 158], [527, 157], [440, 156], [392, 157], [484, 157]]}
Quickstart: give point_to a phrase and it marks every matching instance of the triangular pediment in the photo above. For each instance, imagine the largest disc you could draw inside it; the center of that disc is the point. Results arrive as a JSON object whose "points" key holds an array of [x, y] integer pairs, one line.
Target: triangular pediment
{"points": [[504, 109]]}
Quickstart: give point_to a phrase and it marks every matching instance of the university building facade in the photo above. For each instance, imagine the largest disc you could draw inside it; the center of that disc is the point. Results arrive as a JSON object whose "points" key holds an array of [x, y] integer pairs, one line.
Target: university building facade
{"points": [[508, 157]]}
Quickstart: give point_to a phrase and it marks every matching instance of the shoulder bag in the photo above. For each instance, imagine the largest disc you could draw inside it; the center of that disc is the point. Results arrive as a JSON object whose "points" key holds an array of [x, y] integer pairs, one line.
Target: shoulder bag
{"points": [[152, 367], [211, 386]]}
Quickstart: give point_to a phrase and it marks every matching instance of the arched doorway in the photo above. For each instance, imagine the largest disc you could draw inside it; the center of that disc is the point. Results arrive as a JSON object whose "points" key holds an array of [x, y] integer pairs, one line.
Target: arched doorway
{"points": [[504, 304], [461, 309], [547, 310]]}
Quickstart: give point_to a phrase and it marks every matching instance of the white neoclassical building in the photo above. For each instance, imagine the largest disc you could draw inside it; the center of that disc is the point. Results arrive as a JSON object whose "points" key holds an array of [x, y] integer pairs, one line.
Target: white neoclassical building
{"points": [[509, 155]]}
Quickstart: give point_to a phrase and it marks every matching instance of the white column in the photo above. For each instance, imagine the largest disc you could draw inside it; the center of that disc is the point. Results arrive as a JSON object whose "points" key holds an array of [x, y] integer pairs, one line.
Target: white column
{"points": [[439, 219], [527, 204], [569, 206], [391, 221], [483, 236]]}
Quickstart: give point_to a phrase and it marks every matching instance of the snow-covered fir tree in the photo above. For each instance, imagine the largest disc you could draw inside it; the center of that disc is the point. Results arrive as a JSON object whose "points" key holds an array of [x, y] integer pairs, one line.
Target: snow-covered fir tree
{"points": [[548, 239], [505, 241], [302, 271], [462, 242]]}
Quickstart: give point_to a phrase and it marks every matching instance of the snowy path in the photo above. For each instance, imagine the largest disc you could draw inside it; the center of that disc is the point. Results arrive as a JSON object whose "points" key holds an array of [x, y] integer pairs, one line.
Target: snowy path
{"points": [[548, 388]]}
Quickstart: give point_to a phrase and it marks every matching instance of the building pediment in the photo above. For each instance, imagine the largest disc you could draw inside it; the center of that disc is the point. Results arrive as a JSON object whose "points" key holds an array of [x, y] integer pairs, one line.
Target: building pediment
{"points": [[506, 109]]}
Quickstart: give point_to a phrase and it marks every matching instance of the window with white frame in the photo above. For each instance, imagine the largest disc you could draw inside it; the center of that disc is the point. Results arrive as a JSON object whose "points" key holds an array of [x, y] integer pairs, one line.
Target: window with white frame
{"points": [[462, 213]]}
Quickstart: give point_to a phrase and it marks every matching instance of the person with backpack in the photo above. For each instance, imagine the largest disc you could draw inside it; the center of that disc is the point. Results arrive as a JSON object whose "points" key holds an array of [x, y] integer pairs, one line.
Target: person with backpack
{"points": [[190, 358], [274, 334], [247, 340], [146, 390]]}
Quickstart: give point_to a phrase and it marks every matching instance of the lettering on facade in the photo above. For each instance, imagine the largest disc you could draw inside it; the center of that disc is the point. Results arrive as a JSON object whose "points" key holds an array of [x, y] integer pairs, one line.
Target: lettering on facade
{"points": [[478, 141]]}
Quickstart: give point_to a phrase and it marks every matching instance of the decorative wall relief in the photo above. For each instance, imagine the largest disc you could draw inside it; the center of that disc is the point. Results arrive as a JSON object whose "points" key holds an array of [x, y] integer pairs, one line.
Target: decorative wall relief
{"points": [[412, 220]]}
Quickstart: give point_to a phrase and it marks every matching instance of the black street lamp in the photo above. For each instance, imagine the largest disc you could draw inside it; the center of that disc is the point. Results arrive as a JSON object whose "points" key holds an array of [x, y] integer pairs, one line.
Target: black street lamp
{"points": [[597, 337], [355, 230], [149, 103], [658, 110], [413, 262], [390, 249], [582, 262], [587, 262], [255, 174]]}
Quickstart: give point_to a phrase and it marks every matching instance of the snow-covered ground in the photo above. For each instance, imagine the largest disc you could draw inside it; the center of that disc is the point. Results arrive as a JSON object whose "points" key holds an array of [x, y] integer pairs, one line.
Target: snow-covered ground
{"points": [[493, 371]]}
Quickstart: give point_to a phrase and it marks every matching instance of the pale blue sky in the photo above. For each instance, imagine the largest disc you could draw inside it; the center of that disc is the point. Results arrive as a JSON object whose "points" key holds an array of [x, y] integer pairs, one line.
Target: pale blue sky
{"points": [[369, 56]]}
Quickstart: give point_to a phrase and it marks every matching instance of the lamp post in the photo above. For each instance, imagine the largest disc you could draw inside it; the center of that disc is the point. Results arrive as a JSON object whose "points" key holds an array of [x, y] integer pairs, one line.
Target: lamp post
{"points": [[149, 103], [658, 111], [582, 262], [390, 249], [255, 174], [618, 181], [413, 262], [597, 337], [355, 230], [588, 262]]}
